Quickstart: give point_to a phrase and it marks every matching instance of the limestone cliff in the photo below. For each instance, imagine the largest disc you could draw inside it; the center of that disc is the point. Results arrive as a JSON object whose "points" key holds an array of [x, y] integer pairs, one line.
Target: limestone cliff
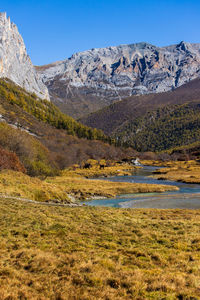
{"points": [[15, 64]]}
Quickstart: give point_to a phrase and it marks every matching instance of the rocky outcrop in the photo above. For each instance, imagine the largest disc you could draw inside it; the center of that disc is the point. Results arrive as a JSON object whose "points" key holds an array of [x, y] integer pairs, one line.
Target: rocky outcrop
{"points": [[15, 64], [95, 78]]}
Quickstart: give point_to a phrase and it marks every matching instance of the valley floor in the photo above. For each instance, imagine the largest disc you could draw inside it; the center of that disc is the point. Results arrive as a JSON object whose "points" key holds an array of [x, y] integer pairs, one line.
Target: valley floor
{"points": [[98, 253], [73, 186]]}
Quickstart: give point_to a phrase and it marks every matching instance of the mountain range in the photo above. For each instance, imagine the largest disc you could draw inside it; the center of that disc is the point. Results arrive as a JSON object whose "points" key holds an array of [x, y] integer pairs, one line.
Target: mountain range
{"points": [[93, 79], [133, 93]]}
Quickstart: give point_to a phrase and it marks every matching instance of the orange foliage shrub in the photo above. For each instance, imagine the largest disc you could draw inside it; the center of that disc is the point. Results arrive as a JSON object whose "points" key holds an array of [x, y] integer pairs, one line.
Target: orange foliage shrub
{"points": [[9, 160]]}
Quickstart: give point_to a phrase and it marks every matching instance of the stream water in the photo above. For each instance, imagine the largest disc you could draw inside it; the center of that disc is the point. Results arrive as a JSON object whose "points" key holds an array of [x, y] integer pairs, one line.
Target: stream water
{"points": [[188, 195]]}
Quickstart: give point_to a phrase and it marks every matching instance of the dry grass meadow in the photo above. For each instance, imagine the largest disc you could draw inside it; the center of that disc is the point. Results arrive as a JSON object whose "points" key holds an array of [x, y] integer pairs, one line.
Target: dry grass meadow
{"points": [[98, 253]]}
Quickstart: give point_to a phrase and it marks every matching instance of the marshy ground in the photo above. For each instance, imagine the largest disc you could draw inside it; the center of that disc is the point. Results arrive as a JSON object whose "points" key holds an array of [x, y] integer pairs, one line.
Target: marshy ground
{"points": [[73, 184], [183, 171]]}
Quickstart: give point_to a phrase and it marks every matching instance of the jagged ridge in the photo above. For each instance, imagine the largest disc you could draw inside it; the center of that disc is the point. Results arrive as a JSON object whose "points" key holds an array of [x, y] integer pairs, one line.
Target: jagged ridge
{"points": [[97, 77]]}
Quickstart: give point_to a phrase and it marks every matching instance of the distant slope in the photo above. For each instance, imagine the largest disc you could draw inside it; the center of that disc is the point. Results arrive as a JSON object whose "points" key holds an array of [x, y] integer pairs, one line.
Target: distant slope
{"points": [[117, 114], [189, 151], [162, 129]]}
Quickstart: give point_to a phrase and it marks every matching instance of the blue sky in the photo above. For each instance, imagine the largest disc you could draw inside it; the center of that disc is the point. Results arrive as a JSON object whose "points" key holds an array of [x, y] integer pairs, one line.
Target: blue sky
{"points": [[54, 30]]}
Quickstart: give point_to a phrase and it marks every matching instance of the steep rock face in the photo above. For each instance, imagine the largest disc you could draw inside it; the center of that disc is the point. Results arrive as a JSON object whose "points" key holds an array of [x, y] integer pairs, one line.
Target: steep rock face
{"points": [[15, 64], [100, 76]]}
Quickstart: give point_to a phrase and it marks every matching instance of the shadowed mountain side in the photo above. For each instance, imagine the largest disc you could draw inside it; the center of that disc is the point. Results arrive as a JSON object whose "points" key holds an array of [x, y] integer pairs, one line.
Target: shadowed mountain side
{"points": [[110, 118]]}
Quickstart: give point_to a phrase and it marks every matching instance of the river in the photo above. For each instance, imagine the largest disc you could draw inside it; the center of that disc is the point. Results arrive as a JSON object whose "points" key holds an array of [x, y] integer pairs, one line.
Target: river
{"points": [[187, 197]]}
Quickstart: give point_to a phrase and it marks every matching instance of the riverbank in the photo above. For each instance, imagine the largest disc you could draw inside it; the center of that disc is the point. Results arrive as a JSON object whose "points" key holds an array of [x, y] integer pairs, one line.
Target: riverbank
{"points": [[187, 172], [69, 189], [98, 253], [160, 163], [103, 170]]}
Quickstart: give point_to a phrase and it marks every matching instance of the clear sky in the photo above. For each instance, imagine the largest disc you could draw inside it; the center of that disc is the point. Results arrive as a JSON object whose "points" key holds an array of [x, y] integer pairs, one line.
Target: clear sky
{"points": [[54, 30]]}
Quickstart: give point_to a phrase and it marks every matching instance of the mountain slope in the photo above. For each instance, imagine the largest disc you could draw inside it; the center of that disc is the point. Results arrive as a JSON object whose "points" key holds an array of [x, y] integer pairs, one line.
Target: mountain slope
{"points": [[95, 78], [162, 129], [47, 112], [15, 64], [115, 115], [29, 128]]}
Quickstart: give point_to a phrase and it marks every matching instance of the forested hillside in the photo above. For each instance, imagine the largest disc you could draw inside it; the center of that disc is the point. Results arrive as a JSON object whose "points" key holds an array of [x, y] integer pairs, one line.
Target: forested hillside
{"points": [[153, 122], [113, 116], [43, 139], [46, 111], [162, 129]]}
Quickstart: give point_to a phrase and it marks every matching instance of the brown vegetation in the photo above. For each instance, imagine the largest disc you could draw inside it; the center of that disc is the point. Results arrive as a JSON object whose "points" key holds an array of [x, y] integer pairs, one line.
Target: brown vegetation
{"points": [[30, 151], [100, 168], [9, 160], [186, 152], [63, 149]]}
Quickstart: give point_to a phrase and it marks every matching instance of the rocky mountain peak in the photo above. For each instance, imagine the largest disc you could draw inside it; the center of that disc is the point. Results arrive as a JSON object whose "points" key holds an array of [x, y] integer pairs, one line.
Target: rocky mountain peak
{"points": [[15, 64], [104, 75]]}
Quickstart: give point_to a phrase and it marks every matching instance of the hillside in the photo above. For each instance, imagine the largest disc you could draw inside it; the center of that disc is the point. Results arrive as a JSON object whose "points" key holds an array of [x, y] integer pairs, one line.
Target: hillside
{"points": [[43, 138], [93, 79], [162, 129], [189, 151], [46, 111], [115, 115]]}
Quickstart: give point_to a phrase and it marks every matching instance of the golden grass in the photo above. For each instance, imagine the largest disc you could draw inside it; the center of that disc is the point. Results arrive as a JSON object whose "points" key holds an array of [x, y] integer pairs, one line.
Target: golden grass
{"points": [[98, 253], [95, 171], [188, 172], [83, 188], [159, 163], [60, 187], [21, 185]]}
